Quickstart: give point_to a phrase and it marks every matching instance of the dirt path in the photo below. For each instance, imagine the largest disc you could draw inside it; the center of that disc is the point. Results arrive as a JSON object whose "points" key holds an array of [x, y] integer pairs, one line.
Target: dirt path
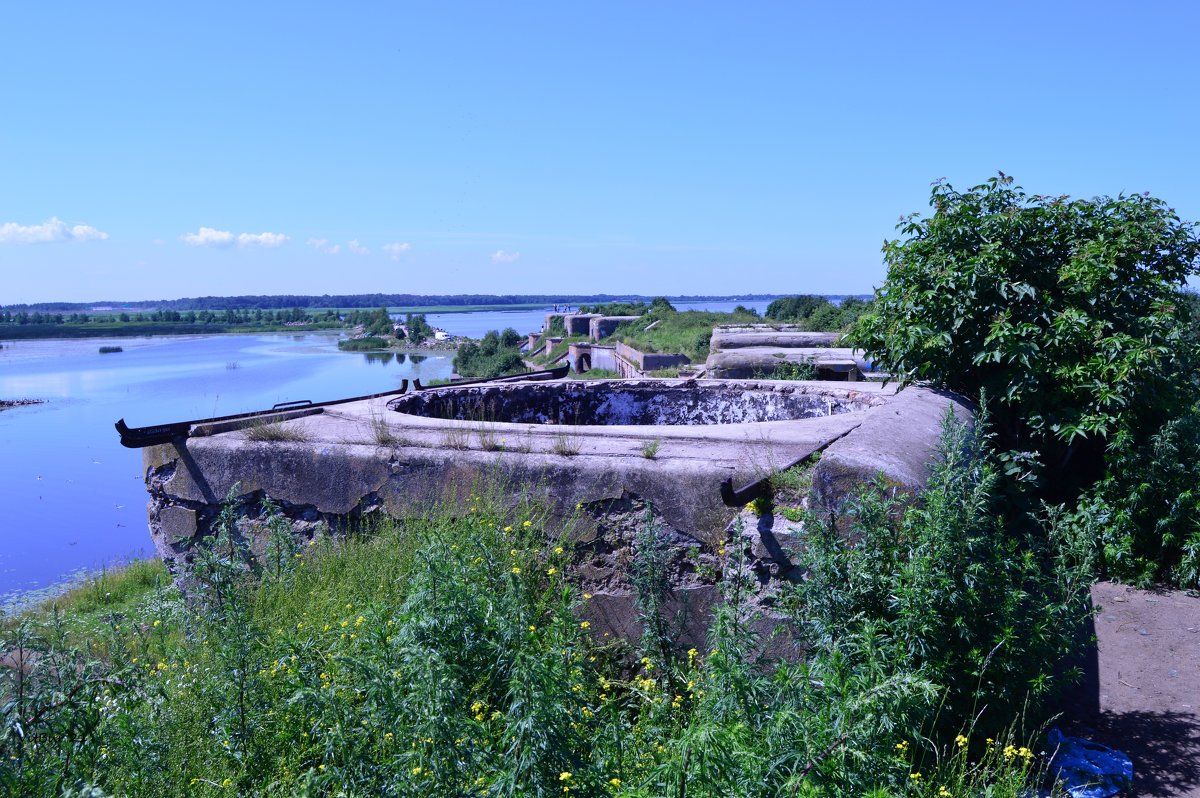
{"points": [[1141, 692]]}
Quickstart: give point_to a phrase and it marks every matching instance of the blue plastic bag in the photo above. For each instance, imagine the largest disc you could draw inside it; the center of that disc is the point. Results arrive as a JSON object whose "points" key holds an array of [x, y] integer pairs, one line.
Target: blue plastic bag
{"points": [[1087, 769]]}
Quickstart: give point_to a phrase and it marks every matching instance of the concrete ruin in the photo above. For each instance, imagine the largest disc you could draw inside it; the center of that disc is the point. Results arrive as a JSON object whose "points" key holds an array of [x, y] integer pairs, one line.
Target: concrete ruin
{"points": [[601, 456], [758, 350], [595, 326]]}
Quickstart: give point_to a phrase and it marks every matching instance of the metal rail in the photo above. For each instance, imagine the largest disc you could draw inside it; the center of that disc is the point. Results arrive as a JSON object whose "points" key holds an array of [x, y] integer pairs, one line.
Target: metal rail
{"points": [[141, 437]]}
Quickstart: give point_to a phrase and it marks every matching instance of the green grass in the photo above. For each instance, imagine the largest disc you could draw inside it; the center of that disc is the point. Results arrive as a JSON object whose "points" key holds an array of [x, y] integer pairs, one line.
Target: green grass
{"points": [[275, 432], [560, 349], [370, 344], [452, 655], [110, 590], [596, 374], [687, 332]]}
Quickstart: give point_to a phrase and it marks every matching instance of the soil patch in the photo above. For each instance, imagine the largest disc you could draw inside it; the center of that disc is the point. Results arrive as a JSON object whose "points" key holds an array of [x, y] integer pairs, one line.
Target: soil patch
{"points": [[1141, 688]]}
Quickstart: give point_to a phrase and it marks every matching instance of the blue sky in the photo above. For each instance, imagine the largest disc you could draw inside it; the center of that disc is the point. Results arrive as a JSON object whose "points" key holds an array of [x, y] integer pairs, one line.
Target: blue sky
{"points": [[157, 150]]}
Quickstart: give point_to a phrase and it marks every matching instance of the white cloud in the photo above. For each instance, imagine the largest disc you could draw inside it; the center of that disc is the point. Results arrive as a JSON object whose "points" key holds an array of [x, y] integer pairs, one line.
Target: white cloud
{"points": [[357, 248], [397, 249], [208, 237], [268, 240], [52, 231], [323, 245], [85, 232], [500, 256]]}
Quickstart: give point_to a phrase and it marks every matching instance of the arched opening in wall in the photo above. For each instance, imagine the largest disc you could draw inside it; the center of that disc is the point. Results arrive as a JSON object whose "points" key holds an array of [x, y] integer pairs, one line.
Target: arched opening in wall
{"points": [[583, 363]]}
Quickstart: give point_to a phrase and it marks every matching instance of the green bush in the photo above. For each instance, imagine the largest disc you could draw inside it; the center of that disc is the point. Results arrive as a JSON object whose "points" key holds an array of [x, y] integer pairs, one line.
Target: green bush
{"points": [[1145, 513], [448, 656], [362, 344], [687, 332], [817, 312], [1068, 317], [944, 589], [1064, 312], [496, 354]]}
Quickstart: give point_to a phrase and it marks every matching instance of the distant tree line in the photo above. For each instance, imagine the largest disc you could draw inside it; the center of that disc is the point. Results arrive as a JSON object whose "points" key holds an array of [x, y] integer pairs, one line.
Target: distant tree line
{"points": [[228, 316], [817, 312], [285, 301]]}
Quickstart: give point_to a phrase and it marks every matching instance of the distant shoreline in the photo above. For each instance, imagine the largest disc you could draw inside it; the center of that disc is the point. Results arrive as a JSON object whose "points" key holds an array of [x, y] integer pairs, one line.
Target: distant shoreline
{"points": [[396, 303], [7, 403]]}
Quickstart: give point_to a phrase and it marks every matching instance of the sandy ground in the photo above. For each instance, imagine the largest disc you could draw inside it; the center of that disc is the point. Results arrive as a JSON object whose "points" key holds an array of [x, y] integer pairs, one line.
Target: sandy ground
{"points": [[1141, 690]]}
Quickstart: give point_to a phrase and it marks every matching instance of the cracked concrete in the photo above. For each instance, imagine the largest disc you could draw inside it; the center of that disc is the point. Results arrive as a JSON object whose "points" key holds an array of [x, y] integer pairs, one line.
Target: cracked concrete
{"points": [[350, 462]]}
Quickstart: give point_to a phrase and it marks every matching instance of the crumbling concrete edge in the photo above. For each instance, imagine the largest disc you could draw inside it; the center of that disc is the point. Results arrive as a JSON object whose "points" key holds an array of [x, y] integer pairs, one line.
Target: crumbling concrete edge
{"points": [[896, 442]]}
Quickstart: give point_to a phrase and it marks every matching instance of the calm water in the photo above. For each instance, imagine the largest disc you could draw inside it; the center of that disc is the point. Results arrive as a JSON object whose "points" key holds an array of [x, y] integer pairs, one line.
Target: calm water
{"points": [[73, 497]]}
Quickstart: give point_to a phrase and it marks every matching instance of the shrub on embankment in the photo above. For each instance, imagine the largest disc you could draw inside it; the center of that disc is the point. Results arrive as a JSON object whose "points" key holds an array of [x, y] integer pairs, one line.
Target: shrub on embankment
{"points": [[1067, 318], [368, 344], [495, 355], [448, 656]]}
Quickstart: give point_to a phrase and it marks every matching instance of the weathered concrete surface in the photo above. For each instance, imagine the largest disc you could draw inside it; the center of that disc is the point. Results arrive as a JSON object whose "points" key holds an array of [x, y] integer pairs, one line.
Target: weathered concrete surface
{"points": [[578, 323], [725, 338], [650, 361], [360, 460], [584, 357], [634, 402], [761, 362], [757, 350], [604, 326], [896, 441]]}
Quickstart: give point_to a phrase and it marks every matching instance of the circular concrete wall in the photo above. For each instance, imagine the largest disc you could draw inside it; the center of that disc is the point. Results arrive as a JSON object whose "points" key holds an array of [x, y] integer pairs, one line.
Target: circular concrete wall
{"points": [[632, 402]]}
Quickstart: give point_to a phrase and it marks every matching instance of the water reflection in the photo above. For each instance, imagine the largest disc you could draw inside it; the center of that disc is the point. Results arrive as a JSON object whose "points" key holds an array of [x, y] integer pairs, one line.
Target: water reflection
{"points": [[73, 496]]}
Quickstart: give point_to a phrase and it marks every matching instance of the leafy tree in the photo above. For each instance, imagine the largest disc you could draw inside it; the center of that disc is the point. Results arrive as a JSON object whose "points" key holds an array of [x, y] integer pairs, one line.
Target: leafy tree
{"points": [[795, 308], [496, 354], [1064, 313], [510, 338]]}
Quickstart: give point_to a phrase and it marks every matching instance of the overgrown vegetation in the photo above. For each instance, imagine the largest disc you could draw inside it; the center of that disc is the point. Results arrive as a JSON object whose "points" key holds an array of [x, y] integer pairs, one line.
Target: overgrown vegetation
{"points": [[452, 656], [368, 344], [275, 432], [496, 354], [23, 324], [817, 313], [1068, 317], [596, 374], [687, 332], [794, 370]]}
